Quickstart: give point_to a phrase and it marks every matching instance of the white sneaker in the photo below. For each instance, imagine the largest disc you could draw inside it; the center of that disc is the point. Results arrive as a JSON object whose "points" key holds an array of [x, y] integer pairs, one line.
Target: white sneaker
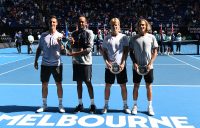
{"points": [[127, 110], [150, 111], [41, 109], [61, 109], [105, 109], [134, 110]]}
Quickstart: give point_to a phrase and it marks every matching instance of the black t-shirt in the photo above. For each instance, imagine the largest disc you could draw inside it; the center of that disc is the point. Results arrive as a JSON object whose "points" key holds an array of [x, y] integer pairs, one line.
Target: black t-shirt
{"points": [[81, 38]]}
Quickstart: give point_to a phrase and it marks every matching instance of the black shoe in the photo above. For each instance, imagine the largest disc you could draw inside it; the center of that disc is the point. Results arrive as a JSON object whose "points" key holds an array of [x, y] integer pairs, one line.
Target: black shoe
{"points": [[79, 108], [92, 109]]}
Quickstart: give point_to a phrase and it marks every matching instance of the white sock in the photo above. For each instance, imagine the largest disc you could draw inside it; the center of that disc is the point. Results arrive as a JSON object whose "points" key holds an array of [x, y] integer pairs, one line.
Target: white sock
{"points": [[106, 102], [44, 100], [125, 102], [80, 101], [92, 101], [135, 102], [60, 101], [150, 103]]}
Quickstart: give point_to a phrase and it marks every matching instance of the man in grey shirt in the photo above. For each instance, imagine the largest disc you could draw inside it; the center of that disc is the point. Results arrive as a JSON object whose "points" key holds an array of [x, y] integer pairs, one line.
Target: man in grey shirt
{"points": [[143, 52], [82, 44]]}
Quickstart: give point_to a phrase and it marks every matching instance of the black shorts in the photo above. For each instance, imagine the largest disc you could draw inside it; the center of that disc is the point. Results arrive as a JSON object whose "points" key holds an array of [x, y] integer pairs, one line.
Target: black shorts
{"points": [[82, 72], [18, 44], [148, 78], [121, 77], [46, 72]]}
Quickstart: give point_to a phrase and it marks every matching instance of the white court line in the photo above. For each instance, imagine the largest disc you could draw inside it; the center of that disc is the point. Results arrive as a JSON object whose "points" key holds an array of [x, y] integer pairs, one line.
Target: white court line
{"points": [[194, 57], [15, 61], [8, 56], [98, 85], [185, 63], [15, 69]]}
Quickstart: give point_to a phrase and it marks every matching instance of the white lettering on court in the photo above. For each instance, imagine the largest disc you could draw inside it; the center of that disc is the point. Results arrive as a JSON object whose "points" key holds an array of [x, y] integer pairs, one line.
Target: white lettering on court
{"points": [[44, 121], [121, 123], [137, 121], [14, 119], [99, 121], [95, 121], [29, 120], [67, 120], [164, 121], [181, 122]]}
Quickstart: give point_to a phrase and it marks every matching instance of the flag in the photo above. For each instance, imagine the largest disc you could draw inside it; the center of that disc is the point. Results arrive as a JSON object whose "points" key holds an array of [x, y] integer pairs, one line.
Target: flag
{"points": [[172, 28], [98, 30], [161, 32], [172, 33], [131, 29], [104, 30], [66, 29], [161, 29]]}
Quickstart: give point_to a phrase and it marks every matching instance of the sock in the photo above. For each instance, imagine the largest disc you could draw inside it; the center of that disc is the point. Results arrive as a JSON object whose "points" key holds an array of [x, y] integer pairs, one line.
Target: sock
{"points": [[106, 102], [44, 100], [60, 101], [125, 102], [135, 102], [92, 101], [80, 101], [150, 103]]}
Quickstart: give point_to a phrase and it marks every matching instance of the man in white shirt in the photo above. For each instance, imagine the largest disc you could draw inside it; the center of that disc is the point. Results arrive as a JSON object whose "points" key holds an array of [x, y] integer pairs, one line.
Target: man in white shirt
{"points": [[50, 46], [115, 50]]}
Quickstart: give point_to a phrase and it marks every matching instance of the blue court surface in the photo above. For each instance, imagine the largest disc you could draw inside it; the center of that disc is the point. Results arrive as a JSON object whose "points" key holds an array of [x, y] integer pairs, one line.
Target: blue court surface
{"points": [[176, 92]]}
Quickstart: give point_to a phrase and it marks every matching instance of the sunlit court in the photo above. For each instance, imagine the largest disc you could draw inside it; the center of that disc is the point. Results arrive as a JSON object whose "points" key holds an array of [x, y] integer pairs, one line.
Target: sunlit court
{"points": [[99, 64], [176, 91]]}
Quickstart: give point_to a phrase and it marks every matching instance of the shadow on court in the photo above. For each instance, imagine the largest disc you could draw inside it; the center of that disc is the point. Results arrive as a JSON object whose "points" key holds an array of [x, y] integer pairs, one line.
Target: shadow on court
{"points": [[15, 108]]}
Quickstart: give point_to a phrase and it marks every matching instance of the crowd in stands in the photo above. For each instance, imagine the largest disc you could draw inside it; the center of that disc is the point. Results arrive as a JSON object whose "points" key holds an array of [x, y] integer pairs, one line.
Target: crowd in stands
{"points": [[34, 13]]}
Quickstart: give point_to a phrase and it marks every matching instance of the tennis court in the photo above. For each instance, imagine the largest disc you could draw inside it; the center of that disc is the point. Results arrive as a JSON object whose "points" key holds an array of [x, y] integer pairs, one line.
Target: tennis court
{"points": [[175, 95]]}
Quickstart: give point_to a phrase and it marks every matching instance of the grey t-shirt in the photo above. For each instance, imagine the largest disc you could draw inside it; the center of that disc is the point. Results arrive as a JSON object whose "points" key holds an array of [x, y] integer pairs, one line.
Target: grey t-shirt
{"points": [[83, 40], [114, 46], [50, 49], [142, 47]]}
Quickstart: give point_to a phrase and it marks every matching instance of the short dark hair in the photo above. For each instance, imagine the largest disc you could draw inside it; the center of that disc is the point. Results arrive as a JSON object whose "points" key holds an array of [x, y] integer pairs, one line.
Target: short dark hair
{"points": [[84, 17], [52, 16]]}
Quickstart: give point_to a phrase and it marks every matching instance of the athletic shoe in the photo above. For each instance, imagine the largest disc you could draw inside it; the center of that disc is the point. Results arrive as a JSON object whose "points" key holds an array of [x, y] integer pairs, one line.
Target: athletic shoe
{"points": [[134, 110], [61, 109], [79, 108], [127, 110], [150, 111], [92, 109], [42, 109], [105, 109]]}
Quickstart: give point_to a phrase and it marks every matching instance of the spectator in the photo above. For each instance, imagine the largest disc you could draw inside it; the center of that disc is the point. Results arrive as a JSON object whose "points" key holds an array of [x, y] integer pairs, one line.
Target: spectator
{"points": [[18, 41], [178, 43], [30, 42]]}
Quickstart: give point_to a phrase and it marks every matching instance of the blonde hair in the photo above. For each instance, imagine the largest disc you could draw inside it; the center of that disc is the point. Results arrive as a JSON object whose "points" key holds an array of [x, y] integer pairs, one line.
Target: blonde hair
{"points": [[148, 26], [115, 20]]}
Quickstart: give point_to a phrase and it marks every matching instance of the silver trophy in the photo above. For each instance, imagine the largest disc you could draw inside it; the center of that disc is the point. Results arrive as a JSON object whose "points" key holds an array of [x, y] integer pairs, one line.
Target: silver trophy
{"points": [[115, 69], [142, 70]]}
